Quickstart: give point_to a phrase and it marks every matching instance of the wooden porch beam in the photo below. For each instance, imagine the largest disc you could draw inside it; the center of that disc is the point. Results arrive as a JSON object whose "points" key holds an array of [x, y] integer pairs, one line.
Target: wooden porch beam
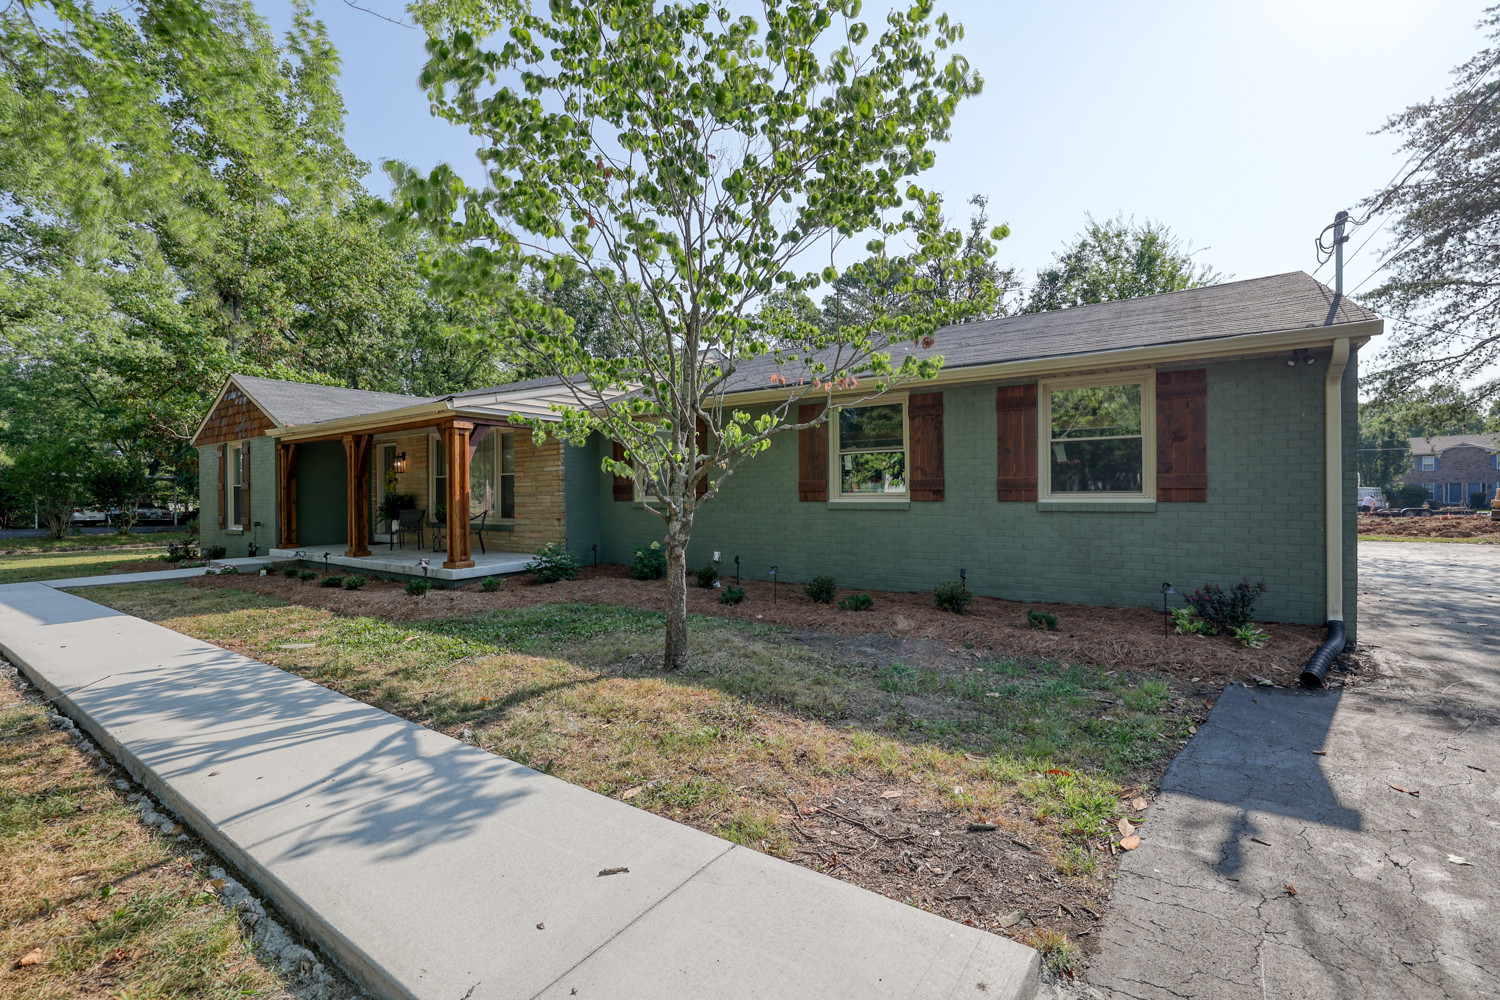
{"points": [[430, 424], [357, 451], [455, 440], [286, 495]]}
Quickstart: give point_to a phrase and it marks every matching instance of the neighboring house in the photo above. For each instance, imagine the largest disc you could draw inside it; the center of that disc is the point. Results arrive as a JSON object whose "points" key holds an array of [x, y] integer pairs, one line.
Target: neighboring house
{"points": [[1455, 468], [1085, 455]]}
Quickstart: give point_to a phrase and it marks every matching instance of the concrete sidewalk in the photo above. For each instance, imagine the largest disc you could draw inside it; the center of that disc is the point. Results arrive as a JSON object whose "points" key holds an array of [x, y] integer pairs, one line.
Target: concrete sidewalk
{"points": [[151, 576], [429, 868]]}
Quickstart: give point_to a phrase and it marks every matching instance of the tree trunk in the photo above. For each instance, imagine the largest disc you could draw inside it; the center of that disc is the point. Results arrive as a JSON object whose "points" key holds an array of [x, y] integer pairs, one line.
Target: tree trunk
{"points": [[677, 635]]}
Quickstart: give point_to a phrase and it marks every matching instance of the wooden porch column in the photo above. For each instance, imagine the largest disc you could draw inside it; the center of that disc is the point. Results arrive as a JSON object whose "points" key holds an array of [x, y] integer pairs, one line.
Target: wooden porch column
{"points": [[286, 495], [357, 450], [456, 451]]}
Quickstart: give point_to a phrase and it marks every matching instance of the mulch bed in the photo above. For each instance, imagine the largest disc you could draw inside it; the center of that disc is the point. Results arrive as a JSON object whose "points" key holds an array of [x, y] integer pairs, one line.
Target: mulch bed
{"points": [[1433, 526], [1128, 639]]}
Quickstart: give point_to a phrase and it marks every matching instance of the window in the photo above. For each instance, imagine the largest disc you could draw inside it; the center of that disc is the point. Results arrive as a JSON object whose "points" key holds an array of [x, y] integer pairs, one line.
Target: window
{"points": [[1426, 463], [439, 465], [235, 500], [870, 450], [492, 476], [1495, 460], [1432, 492], [1095, 438]]}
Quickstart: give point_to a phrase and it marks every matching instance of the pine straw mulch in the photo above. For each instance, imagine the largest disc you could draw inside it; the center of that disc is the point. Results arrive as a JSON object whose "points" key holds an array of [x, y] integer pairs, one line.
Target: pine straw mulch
{"points": [[1480, 526], [1129, 639]]}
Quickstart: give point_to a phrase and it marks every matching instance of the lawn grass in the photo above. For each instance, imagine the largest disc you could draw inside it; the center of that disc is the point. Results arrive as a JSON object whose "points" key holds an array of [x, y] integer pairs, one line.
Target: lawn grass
{"points": [[756, 719], [86, 543], [117, 909], [27, 567]]}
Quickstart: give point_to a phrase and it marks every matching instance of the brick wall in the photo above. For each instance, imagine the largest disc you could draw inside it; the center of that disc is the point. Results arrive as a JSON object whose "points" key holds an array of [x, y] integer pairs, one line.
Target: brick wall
{"points": [[1263, 518], [262, 499], [540, 512], [1465, 466]]}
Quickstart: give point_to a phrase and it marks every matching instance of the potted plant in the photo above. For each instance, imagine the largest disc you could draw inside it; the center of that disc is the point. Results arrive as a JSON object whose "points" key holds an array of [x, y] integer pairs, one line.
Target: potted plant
{"points": [[392, 504]]}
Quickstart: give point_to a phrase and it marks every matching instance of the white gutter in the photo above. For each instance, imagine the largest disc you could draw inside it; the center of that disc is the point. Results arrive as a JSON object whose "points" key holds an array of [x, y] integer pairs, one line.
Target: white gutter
{"points": [[1333, 474]]}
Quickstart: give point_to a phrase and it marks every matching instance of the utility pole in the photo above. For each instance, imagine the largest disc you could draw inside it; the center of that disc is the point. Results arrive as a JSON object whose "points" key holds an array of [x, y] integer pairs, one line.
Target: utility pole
{"points": [[1339, 239]]}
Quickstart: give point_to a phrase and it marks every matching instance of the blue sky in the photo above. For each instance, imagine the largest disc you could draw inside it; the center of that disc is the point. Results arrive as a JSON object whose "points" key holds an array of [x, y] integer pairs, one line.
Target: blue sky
{"points": [[1242, 126]]}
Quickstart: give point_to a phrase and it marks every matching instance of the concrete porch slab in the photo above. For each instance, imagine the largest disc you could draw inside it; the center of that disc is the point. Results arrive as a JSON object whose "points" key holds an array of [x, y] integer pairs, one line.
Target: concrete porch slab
{"points": [[408, 562], [424, 865]]}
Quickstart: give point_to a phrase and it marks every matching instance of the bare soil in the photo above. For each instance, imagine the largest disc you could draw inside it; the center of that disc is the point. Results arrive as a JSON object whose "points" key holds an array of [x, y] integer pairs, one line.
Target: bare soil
{"points": [[1478, 526], [1129, 639]]}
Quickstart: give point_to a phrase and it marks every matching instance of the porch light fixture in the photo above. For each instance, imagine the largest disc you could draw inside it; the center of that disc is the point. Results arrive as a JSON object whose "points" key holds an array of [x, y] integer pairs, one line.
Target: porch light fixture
{"points": [[1166, 614], [399, 463]]}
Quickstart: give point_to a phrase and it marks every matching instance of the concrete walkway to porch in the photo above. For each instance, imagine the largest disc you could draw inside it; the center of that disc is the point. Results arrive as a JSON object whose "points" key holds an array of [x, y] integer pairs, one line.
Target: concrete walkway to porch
{"points": [[430, 868], [406, 562]]}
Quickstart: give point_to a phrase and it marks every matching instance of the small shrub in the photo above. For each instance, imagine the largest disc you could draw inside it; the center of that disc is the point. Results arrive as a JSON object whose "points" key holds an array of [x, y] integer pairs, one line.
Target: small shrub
{"points": [[179, 551], [1041, 620], [708, 576], [820, 591], [307, 574], [332, 581], [1233, 607], [418, 588], [732, 595], [1185, 621], [553, 562], [354, 582], [490, 584], [214, 551], [952, 596], [1250, 635], [650, 562], [229, 570], [857, 602], [289, 571]]}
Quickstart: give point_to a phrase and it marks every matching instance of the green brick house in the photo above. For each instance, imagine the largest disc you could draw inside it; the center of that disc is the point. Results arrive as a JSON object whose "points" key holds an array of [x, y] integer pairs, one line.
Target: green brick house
{"points": [[1087, 455]]}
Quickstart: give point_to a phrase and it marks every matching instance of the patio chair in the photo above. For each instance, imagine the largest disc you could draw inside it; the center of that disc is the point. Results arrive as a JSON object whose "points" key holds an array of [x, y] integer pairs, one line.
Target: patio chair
{"points": [[409, 522], [478, 529]]}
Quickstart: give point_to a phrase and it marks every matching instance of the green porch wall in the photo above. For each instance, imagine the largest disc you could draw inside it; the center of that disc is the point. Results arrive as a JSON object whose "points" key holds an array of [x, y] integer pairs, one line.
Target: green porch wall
{"points": [[1264, 517], [322, 500]]}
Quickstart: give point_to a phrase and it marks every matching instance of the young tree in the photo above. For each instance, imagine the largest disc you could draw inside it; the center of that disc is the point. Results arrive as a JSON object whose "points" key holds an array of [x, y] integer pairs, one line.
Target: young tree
{"points": [[685, 161], [48, 476], [1116, 259], [117, 482], [1442, 289]]}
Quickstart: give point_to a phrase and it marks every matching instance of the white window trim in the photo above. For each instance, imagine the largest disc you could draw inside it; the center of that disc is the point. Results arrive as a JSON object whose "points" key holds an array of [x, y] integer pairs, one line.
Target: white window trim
{"points": [[1422, 461], [434, 449], [836, 495], [234, 471], [1146, 378]]}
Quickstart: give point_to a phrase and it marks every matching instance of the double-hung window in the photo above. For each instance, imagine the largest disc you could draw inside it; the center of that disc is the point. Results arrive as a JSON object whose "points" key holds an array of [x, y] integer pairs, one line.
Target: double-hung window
{"points": [[1097, 437], [1426, 463], [870, 446], [235, 492], [492, 476]]}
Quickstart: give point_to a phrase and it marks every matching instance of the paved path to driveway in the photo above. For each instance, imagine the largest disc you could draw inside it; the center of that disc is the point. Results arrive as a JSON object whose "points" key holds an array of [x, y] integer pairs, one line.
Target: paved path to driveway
{"points": [[151, 576], [429, 868], [1397, 894]]}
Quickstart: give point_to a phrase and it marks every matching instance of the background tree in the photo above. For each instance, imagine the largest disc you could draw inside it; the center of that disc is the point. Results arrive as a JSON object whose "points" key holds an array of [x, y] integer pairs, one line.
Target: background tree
{"points": [[1443, 290], [1384, 449], [48, 477], [681, 159], [1118, 259], [117, 483]]}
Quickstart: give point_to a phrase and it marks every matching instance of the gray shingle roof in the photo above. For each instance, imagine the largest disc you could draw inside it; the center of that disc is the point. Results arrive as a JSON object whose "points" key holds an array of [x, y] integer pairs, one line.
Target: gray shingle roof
{"points": [[301, 403], [1260, 305], [1431, 446], [531, 383]]}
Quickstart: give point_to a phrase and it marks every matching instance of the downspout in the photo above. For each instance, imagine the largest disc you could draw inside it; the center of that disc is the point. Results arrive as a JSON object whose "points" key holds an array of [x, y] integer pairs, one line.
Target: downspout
{"points": [[1333, 529]]}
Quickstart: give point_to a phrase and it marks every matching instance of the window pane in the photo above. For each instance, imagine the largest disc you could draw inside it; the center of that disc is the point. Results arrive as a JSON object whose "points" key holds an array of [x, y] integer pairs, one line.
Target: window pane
{"points": [[483, 489], [875, 472], [239, 506], [236, 469], [1097, 466], [507, 496], [508, 452], [872, 427], [1096, 411], [439, 457]]}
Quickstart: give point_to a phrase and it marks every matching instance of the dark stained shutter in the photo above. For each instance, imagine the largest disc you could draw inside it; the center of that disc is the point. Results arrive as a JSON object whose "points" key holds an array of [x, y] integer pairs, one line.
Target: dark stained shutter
{"points": [[702, 486], [1182, 436], [925, 414], [1016, 446], [245, 519], [812, 456], [220, 488], [624, 486]]}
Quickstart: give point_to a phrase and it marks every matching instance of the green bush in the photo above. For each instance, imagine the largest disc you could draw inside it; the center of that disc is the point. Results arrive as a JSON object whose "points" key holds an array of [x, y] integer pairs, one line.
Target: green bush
{"points": [[229, 570], [650, 562], [307, 574], [1185, 621], [1232, 607], [952, 596], [857, 602], [354, 582], [178, 551], [553, 562], [418, 588], [332, 581], [214, 552], [708, 576], [1250, 635], [1042, 620], [490, 584], [289, 570], [820, 591], [1407, 495], [731, 595]]}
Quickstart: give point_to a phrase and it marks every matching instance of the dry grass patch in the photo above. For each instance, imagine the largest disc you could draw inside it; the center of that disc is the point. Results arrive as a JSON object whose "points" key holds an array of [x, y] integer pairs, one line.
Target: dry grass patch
{"points": [[975, 789], [31, 566], [113, 908]]}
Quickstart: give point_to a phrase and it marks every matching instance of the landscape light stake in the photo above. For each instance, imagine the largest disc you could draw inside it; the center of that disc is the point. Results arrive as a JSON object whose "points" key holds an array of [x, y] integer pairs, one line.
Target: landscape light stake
{"points": [[774, 571], [301, 556], [424, 569], [254, 540], [325, 562], [736, 571], [1166, 613], [596, 555]]}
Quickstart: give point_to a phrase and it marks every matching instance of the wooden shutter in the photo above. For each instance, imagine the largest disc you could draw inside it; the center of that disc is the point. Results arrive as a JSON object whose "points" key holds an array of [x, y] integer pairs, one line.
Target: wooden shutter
{"points": [[702, 486], [220, 488], [245, 519], [812, 456], [1182, 436], [925, 414], [1015, 427], [624, 485]]}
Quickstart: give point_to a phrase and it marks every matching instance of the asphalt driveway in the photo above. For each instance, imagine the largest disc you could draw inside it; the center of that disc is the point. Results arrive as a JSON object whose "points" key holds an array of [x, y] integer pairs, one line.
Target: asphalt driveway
{"points": [[1335, 844]]}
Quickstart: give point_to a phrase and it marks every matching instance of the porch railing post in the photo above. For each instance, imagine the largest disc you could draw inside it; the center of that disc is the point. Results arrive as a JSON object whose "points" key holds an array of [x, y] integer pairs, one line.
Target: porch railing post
{"points": [[456, 450]]}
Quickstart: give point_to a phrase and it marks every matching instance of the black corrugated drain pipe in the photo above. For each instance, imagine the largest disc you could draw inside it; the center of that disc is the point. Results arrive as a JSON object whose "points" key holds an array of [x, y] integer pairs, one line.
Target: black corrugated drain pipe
{"points": [[1323, 657]]}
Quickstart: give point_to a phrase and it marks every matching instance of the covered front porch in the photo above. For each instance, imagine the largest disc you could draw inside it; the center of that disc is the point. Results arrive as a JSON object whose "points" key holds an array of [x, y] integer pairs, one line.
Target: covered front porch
{"points": [[407, 562]]}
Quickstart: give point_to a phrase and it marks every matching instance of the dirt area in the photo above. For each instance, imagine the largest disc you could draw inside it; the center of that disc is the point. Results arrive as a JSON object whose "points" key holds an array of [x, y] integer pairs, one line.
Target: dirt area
{"points": [[1112, 638], [1476, 526]]}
